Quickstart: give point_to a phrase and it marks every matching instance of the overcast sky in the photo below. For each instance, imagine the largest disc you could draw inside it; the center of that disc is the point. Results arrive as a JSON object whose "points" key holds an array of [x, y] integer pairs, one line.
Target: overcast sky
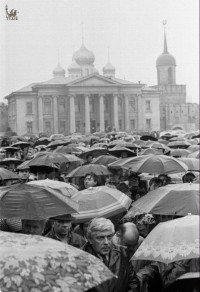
{"points": [[132, 29]]}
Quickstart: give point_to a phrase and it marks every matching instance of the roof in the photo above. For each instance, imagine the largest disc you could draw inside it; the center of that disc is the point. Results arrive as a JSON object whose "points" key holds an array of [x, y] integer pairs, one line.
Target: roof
{"points": [[26, 88], [57, 80], [122, 81]]}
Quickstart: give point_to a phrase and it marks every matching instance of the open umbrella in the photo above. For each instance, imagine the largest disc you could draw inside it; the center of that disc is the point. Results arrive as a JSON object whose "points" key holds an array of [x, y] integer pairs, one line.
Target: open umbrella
{"points": [[151, 151], [26, 201], [84, 169], [157, 164], [193, 148], [104, 159], [21, 144], [66, 189], [179, 144], [175, 199], [48, 158], [100, 202], [179, 152], [7, 174], [95, 152], [171, 241], [36, 263], [148, 137], [69, 149], [117, 151], [10, 160], [192, 163], [195, 154]]}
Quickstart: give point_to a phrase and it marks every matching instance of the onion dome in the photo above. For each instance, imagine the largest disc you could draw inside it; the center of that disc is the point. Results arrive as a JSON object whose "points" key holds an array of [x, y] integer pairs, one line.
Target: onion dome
{"points": [[74, 67], [108, 67], [58, 71], [83, 56], [166, 59]]}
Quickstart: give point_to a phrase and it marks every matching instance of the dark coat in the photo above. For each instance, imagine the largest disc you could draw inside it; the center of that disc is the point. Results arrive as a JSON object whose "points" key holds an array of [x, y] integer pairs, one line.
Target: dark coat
{"points": [[126, 279], [74, 239]]}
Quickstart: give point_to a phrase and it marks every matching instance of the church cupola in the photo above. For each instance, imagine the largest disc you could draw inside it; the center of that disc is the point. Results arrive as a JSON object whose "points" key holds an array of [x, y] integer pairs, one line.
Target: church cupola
{"points": [[166, 65], [109, 69], [59, 71]]}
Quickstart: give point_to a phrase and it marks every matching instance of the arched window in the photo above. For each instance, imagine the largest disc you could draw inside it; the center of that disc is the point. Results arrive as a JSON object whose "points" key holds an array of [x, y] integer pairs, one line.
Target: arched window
{"points": [[170, 75]]}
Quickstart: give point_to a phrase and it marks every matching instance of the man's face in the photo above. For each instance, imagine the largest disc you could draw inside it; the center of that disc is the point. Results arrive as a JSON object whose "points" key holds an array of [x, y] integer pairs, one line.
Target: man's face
{"points": [[35, 227], [24, 174], [102, 241], [89, 182], [133, 183], [62, 227], [89, 158]]}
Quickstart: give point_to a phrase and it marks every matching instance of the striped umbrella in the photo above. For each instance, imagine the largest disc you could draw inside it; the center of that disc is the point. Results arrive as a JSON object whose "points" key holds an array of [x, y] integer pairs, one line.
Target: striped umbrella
{"points": [[100, 202]]}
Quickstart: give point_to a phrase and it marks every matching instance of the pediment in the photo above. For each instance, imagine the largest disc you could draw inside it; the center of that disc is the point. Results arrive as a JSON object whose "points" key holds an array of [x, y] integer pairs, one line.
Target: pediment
{"points": [[93, 80]]}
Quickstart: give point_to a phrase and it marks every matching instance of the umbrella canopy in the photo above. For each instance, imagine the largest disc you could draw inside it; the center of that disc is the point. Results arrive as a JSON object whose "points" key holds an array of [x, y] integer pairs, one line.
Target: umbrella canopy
{"points": [[98, 145], [179, 144], [11, 149], [195, 154], [104, 159], [26, 201], [160, 146], [48, 158], [148, 137], [171, 241], [57, 143], [179, 152], [117, 151], [177, 139], [21, 144], [36, 263], [100, 202], [176, 199], [192, 163], [95, 152], [84, 169], [7, 161], [193, 148], [157, 164], [69, 149], [7, 174], [66, 189], [151, 151]]}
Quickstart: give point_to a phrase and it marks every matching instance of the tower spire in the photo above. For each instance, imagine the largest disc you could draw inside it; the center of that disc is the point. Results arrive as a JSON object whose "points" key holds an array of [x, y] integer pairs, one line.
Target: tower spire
{"points": [[82, 32], [108, 53], [165, 50]]}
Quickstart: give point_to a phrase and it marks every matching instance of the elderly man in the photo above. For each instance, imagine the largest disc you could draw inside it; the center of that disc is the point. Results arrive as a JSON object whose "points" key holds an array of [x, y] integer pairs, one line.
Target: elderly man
{"points": [[62, 230], [23, 173], [128, 236], [100, 235]]}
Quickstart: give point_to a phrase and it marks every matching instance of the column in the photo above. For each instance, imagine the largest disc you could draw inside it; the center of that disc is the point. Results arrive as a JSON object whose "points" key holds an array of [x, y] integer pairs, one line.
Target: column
{"points": [[139, 113], [115, 112], [55, 114], [126, 113], [40, 114], [101, 113], [87, 114], [72, 114]]}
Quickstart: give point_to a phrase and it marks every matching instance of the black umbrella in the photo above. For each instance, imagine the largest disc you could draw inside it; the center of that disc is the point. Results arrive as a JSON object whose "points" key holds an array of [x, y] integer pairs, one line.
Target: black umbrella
{"points": [[148, 137]]}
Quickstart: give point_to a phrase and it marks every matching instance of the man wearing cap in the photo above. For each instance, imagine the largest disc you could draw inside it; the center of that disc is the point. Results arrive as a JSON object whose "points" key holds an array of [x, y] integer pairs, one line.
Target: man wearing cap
{"points": [[62, 230]]}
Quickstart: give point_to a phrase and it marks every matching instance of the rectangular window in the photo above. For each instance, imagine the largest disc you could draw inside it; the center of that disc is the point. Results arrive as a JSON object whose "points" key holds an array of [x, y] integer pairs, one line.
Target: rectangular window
{"points": [[91, 105], [29, 127], [132, 105], [78, 126], [148, 105], [77, 106], [61, 107], [47, 126], [106, 105], [29, 109], [62, 126], [47, 107], [120, 124], [132, 124], [148, 124]]}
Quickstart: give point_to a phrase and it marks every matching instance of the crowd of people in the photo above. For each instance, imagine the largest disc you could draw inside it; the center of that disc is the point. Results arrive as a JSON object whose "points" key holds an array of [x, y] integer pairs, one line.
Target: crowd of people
{"points": [[112, 240]]}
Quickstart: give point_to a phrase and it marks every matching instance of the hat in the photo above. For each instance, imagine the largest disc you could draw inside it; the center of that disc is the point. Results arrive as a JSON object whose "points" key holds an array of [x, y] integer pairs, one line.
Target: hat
{"points": [[65, 217]]}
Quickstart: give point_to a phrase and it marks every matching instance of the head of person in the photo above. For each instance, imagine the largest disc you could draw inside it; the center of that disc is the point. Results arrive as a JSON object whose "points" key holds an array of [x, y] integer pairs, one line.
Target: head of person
{"points": [[89, 158], [34, 227], [165, 179], [124, 188], [62, 225], [188, 178], [134, 181], [84, 227], [100, 233], [23, 173], [90, 180], [155, 183], [128, 235], [124, 154]]}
